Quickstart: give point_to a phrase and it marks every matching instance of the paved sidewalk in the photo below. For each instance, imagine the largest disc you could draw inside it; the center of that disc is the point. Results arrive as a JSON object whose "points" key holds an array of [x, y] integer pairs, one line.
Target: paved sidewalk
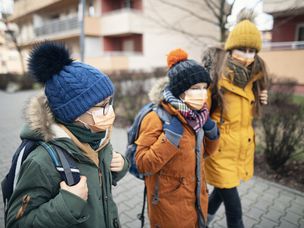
{"points": [[265, 204]]}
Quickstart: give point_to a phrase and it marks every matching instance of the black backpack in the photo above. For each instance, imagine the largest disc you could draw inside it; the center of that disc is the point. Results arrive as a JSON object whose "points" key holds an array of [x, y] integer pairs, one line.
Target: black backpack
{"points": [[62, 160], [133, 133]]}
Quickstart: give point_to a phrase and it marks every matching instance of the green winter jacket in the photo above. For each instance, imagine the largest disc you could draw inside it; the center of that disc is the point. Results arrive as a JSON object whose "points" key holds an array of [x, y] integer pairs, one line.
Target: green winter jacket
{"points": [[38, 195]]}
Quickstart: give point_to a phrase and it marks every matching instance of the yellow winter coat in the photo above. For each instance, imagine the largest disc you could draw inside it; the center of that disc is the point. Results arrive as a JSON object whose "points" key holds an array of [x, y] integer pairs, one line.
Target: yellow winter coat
{"points": [[234, 160]]}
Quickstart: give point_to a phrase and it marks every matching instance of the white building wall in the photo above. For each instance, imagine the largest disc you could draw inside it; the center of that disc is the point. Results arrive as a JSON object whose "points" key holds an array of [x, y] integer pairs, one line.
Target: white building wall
{"points": [[158, 40]]}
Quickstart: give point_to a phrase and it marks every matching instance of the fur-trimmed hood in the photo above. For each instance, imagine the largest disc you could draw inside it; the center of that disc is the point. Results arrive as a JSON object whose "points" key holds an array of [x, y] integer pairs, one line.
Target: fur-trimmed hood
{"points": [[40, 121], [156, 92]]}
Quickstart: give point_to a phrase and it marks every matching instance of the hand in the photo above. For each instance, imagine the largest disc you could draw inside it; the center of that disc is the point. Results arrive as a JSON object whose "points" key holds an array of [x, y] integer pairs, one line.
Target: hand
{"points": [[209, 124], [210, 129], [264, 97], [80, 189], [117, 162], [173, 130]]}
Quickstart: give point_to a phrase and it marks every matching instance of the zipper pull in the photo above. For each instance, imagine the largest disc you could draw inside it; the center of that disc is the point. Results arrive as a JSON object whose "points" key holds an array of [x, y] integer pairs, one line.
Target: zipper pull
{"points": [[100, 177]]}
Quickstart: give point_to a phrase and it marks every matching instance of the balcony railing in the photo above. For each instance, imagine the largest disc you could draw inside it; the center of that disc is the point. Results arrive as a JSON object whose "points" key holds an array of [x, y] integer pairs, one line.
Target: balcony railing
{"points": [[126, 21], [283, 45], [57, 26]]}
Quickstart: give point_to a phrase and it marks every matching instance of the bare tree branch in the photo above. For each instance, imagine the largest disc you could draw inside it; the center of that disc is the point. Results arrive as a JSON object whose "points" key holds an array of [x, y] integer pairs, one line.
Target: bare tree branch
{"points": [[14, 39], [189, 12], [164, 24], [215, 5], [212, 8]]}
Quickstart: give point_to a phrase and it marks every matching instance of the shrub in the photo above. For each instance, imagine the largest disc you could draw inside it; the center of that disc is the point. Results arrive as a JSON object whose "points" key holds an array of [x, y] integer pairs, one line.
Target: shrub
{"points": [[131, 93], [283, 126], [24, 82]]}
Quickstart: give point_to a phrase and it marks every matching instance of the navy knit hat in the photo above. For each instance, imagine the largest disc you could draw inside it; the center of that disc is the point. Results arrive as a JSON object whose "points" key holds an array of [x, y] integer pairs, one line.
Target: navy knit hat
{"points": [[71, 87], [184, 72]]}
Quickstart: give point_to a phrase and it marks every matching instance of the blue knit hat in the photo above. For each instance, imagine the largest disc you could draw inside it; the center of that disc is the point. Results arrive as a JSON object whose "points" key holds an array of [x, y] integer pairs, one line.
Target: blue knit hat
{"points": [[71, 87]]}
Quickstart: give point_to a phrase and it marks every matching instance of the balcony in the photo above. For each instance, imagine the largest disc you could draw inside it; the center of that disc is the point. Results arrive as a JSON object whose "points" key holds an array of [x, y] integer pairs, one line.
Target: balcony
{"points": [[68, 27], [283, 45], [58, 26], [24, 7], [121, 22]]}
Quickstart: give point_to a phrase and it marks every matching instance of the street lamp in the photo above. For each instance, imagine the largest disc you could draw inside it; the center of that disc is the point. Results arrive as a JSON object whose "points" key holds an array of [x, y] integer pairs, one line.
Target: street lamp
{"points": [[81, 15]]}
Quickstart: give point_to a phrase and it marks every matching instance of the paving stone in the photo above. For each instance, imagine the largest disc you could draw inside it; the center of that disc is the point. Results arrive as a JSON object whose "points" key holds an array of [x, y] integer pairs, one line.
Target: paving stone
{"points": [[295, 208], [299, 200], [255, 213], [273, 189], [279, 206], [253, 196], [287, 224], [122, 207], [292, 218], [273, 215], [246, 202], [124, 218], [135, 223], [265, 223], [249, 222], [301, 223], [267, 196], [260, 188], [220, 223], [285, 198], [262, 205]]}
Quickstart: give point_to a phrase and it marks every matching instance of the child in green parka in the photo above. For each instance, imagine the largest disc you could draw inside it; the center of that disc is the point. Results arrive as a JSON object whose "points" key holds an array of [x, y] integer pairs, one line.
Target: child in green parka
{"points": [[75, 113]]}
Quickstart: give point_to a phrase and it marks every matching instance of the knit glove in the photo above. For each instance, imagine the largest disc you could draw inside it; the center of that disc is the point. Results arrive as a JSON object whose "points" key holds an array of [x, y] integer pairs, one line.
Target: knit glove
{"points": [[210, 129], [173, 130]]}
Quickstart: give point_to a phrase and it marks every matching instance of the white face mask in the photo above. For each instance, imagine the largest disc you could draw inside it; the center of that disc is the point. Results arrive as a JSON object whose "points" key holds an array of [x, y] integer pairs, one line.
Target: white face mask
{"points": [[195, 98], [246, 58]]}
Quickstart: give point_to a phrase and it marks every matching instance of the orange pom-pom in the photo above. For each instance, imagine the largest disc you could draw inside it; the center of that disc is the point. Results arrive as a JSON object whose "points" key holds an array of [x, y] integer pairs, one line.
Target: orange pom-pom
{"points": [[176, 56]]}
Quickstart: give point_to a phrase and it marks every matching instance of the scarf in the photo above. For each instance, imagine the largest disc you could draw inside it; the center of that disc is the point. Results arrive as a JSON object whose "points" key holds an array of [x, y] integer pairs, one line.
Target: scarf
{"points": [[238, 74], [85, 135], [195, 118]]}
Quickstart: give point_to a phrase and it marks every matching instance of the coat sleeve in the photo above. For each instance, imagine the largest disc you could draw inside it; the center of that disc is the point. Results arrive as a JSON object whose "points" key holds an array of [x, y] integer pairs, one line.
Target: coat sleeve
{"points": [[35, 203], [117, 176], [154, 150], [211, 146]]}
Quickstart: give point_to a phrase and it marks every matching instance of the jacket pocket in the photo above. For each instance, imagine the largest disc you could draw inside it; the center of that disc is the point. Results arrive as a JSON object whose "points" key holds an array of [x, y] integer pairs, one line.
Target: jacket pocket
{"points": [[169, 185]]}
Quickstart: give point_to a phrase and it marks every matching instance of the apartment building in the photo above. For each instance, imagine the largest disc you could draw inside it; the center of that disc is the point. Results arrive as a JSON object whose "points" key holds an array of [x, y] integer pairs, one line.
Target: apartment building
{"points": [[9, 57], [285, 54], [119, 34]]}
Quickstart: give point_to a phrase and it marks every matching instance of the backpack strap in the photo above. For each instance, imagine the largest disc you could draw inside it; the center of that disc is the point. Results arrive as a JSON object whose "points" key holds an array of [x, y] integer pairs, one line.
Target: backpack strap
{"points": [[163, 114], [64, 163], [9, 182], [141, 216], [133, 135]]}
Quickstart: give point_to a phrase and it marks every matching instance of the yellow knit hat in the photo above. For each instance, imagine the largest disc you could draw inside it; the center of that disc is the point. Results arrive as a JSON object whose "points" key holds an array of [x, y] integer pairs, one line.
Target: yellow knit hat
{"points": [[245, 33]]}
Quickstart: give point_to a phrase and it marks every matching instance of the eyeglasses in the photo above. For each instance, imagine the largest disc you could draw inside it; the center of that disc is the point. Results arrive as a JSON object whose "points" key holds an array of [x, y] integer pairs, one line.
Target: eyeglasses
{"points": [[105, 107]]}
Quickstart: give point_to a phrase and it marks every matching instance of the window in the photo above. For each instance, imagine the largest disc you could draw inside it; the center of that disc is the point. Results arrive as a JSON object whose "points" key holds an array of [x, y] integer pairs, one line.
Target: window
{"points": [[128, 45], [300, 33], [128, 4]]}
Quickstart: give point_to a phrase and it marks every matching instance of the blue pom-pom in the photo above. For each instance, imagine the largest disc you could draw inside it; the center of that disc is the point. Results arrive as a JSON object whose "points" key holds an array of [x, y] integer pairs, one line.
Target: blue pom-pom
{"points": [[47, 59]]}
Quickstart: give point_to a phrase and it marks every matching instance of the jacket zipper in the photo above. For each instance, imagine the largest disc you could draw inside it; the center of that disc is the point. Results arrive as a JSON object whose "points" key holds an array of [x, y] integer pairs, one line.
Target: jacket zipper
{"points": [[100, 177]]}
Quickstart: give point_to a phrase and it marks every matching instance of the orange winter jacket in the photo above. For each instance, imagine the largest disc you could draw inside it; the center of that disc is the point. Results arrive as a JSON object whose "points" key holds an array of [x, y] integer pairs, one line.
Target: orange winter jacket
{"points": [[173, 172]]}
